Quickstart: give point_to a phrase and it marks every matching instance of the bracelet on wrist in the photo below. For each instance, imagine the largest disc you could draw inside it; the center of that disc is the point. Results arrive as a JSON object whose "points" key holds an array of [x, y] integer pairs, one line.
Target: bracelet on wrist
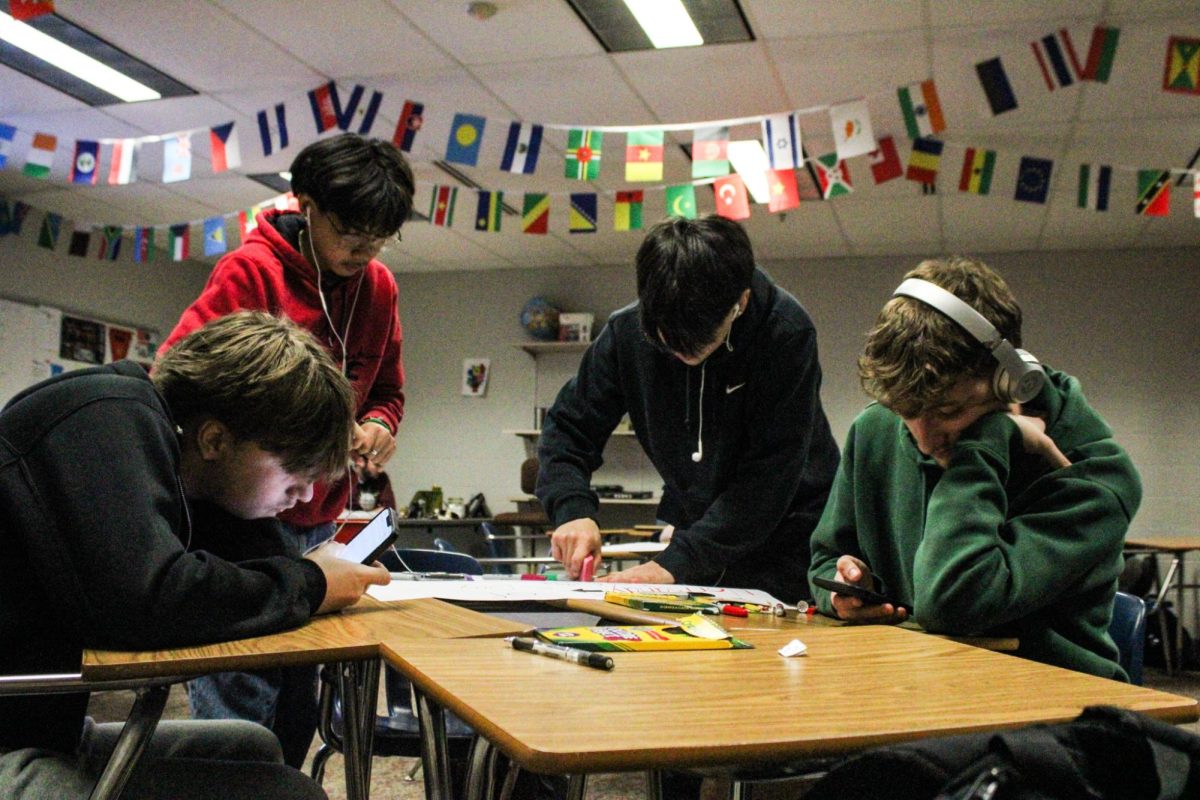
{"points": [[379, 421]]}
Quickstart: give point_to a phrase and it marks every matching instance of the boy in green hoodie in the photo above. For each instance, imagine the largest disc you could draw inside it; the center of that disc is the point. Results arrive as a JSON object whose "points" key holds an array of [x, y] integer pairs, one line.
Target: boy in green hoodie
{"points": [[980, 493]]}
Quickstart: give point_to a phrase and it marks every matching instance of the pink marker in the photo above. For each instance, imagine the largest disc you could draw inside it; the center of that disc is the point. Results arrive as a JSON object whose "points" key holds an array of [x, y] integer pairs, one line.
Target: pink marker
{"points": [[588, 569]]}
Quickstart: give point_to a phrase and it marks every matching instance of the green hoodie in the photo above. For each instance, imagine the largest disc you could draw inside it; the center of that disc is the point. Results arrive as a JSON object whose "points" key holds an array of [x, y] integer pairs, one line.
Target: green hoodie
{"points": [[997, 543]]}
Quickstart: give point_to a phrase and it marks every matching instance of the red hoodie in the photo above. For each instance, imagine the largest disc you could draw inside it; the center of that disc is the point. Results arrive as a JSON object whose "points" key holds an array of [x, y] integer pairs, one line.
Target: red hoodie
{"points": [[268, 274]]}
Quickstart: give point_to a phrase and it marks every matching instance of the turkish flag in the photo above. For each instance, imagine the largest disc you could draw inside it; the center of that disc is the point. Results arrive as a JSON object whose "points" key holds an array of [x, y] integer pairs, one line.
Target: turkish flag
{"points": [[28, 9], [733, 202]]}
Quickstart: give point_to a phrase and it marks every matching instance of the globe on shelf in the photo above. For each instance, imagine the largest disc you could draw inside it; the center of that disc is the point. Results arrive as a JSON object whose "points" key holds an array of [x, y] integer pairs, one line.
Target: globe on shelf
{"points": [[540, 319]]}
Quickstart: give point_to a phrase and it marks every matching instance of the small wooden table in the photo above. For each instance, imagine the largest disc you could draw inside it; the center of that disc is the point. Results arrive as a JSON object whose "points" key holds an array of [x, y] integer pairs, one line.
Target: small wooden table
{"points": [[858, 687]]}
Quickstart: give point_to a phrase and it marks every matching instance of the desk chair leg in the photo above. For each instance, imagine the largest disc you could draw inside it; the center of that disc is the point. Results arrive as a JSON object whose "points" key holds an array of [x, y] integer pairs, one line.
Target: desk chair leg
{"points": [[479, 780], [741, 790], [576, 786], [139, 727], [435, 749], [654, 788], [358, 682], [411, 775], [1173, 661]]}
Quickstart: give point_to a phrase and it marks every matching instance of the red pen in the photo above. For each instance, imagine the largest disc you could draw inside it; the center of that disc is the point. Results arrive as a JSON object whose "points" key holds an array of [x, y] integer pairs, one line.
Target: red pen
{"points": [[588, 569], [734, 611]]}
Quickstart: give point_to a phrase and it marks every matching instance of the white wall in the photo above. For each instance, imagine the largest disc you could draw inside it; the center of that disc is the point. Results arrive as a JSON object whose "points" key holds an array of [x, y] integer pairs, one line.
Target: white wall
{"points": [[1124, 322]]}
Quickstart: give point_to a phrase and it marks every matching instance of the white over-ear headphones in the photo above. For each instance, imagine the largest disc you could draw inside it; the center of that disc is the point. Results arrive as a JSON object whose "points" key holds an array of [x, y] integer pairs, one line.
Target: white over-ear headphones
{"points": [[1018, 377]]}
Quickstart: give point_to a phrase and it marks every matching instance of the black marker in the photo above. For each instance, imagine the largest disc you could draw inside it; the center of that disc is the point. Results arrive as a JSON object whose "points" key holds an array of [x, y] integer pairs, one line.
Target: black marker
{"points": [[594, 660]]}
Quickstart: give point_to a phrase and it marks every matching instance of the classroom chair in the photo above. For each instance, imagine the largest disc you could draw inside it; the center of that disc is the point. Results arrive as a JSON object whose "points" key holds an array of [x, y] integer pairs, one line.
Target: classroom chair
{"points": [[1128, 631], [139, 725], [397, 733], [532, 518]]}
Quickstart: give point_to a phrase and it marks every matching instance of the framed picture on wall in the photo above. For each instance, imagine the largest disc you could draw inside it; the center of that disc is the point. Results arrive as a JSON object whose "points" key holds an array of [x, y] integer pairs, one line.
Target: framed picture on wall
{"points": [[475, 373]]}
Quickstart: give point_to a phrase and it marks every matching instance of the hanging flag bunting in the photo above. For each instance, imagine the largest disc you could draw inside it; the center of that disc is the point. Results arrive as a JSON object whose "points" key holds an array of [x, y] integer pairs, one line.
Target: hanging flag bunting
{"points": [[535, 215], [1101, 54], [783, 192], [23, 10], [781, 141], [20, 210], [51, 226], [710, 152], [177, 158], [521, 149], [328, 112], [5, 218], [833, 175], [1057, 60], [1196, 193], [977, 168], [852, 132], [885, 161], [178, 237], [7, 132], [412, 117], [921, 109], [226, 152], [123, 169], [110, 242], [247, 221], [441, 205], [41, 156], [1154, 192], [80, 241], [627, 211], [995, 84], [1093, 186], [1033, 179], [274, 137], [643, 156], [583, 154], [581, 216], [83, 166], [466, 137], [214, 236], [143, 245], [487, 214], [681, 201], [731, 198], [1182, 72], [924, 160]]}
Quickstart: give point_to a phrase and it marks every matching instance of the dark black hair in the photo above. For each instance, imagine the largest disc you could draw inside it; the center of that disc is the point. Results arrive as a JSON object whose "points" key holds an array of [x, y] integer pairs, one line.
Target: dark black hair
{"points": [[367, 184], [690, 272]]}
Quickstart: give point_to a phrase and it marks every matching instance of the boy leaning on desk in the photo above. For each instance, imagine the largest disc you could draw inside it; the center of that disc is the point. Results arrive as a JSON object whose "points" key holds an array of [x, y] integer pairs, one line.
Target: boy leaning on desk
{"points": [[101, 471], [981, 489]]}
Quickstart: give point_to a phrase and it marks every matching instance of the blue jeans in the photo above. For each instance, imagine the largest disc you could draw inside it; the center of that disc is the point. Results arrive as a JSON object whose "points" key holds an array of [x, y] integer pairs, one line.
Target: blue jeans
{"points": [[284, 699]]}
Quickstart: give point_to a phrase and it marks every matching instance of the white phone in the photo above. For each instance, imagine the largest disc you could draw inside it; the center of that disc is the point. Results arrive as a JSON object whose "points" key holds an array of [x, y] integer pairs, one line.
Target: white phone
{"points": [[369, 543]]}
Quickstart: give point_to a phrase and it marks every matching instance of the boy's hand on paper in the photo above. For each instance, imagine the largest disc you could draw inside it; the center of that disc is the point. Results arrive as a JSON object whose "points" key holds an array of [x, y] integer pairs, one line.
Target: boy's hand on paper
{"points": [[345, 581], [574, 541], [650, 572], [852, 609]]}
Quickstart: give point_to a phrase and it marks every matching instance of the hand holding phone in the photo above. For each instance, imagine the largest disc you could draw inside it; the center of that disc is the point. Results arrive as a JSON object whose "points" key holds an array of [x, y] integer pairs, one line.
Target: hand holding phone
{"points": [[852, 590], [368, 544]]}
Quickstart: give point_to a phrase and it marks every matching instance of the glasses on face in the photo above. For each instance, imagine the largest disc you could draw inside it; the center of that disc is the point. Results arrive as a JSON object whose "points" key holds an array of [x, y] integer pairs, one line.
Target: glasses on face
{"points": [[353, 240]]}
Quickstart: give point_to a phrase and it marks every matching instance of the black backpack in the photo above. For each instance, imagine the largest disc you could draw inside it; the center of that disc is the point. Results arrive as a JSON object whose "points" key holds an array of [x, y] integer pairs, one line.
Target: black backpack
{"points": [[1105, 753]]}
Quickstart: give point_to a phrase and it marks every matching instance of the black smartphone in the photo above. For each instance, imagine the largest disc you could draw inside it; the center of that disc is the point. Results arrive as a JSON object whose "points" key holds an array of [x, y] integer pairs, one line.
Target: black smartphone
{"points": [[368, 544], [851, 590]]}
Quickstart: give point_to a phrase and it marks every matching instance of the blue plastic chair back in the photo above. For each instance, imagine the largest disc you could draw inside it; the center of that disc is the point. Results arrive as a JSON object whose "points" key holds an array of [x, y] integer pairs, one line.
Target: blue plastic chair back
{"points": [[1128, 631], [406, 559]]}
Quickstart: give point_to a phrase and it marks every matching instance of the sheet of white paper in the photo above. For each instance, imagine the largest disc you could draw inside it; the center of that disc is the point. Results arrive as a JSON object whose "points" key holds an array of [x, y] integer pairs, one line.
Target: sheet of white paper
{"points": [[479, 589]]}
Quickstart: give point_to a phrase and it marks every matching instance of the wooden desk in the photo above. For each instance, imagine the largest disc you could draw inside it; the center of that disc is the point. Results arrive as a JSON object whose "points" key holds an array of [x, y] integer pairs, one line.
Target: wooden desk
{"points": [[858, 687], [1177, 547], [351, 638]]}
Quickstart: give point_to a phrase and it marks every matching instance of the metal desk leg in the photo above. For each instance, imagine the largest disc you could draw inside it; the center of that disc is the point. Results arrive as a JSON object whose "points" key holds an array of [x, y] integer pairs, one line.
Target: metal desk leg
{"points": [[139, 727], [576, 785], [358, 682], [1169, 659], [435, 748]]}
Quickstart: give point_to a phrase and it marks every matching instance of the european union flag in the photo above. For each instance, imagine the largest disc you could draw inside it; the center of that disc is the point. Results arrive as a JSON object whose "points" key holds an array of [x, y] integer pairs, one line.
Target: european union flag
{"points": [[1033, 179]]}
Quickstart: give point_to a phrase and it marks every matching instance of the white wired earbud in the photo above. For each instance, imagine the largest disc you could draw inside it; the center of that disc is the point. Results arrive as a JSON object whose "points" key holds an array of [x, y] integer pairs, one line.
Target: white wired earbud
{"points": [[341, 339], [737, 312], [699, 454]]}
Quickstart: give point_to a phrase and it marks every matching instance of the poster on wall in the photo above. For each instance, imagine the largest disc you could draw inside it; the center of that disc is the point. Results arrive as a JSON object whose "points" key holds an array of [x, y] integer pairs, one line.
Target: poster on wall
{"points": [[82, 340], [475, 374], [119, 340]]}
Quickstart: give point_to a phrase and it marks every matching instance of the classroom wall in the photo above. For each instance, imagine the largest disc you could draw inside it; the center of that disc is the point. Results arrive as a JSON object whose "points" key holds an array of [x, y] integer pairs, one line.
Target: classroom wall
{"points": [[1122, 321]]}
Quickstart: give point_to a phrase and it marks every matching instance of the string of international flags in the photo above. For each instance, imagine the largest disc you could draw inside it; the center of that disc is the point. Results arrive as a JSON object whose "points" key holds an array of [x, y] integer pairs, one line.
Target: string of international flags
{"points": [[850, 124]]}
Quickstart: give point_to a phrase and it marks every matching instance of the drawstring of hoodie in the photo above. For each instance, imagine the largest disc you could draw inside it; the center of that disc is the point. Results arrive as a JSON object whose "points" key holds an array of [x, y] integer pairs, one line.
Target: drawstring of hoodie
{"points": [[698, 456]]}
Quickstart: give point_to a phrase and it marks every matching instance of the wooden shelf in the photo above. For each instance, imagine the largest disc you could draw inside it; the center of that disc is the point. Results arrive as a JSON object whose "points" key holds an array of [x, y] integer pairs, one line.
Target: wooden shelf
{"points": [[536, 349], [604, 501]]}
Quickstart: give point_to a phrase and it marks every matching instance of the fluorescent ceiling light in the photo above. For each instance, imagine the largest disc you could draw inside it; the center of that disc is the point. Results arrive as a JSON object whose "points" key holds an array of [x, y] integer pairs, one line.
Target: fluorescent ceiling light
{"points": [[71, 60], [666, 22], [750, 161]]}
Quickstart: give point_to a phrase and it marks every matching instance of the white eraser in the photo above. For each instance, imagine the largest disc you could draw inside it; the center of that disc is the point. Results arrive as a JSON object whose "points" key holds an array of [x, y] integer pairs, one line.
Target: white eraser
{"points": [[793, 648]]}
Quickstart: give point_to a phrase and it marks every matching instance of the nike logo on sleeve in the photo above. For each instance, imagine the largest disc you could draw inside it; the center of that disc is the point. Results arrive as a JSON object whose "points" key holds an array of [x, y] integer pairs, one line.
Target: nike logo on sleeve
{"points": [[734, 388]]}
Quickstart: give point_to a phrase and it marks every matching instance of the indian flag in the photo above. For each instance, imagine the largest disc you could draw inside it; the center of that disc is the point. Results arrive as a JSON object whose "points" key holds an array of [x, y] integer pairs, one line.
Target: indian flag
{"points": [[41, 156], [921, 108]]}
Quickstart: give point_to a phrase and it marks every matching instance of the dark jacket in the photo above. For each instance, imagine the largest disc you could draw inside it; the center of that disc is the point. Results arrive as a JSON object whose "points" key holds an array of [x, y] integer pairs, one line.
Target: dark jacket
{"points": [[94, 530], [743, 514]]}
